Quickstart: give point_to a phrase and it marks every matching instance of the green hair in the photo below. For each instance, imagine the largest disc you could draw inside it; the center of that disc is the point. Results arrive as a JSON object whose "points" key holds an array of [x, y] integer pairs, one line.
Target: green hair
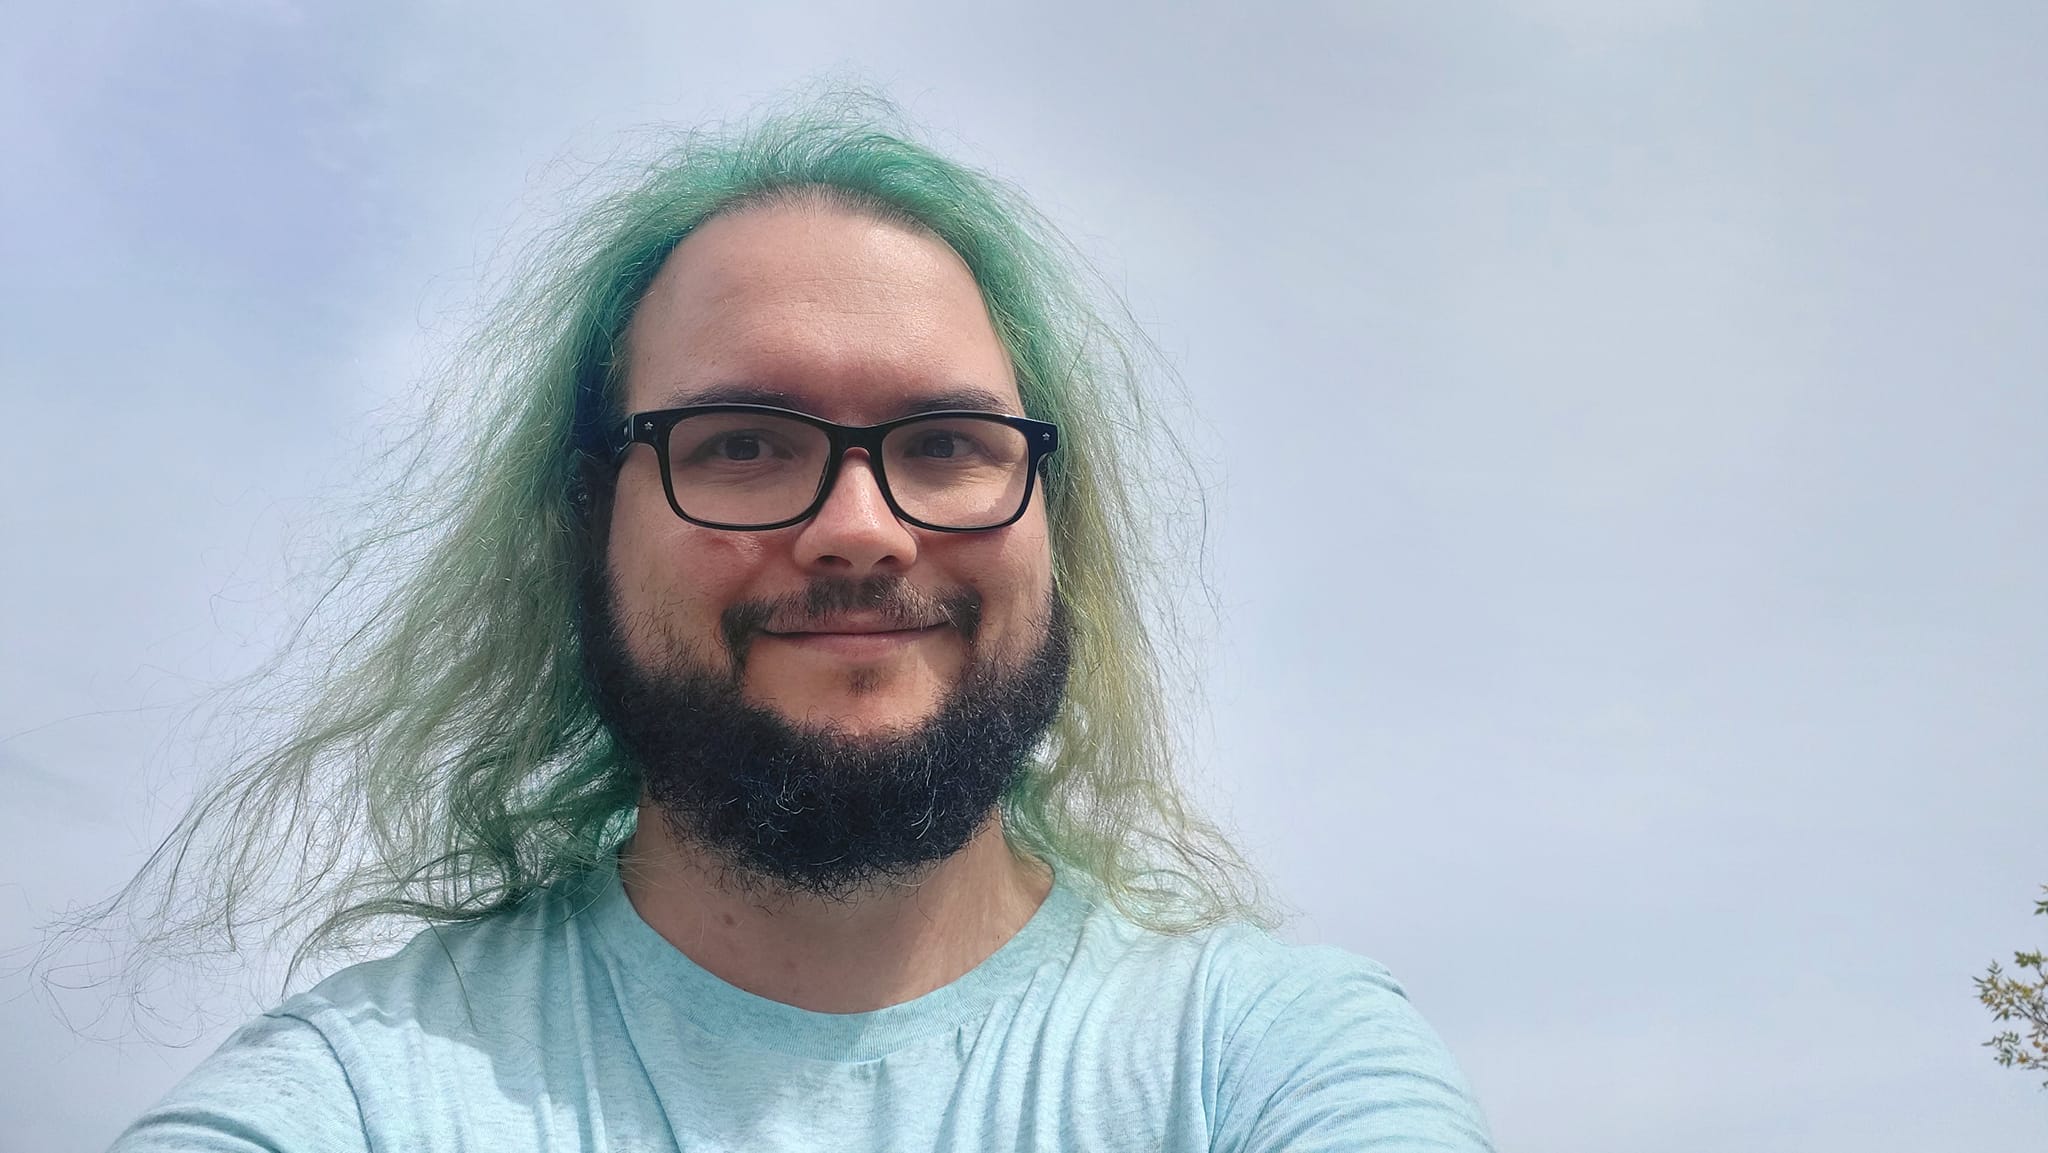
{"points": [[449, 762]]}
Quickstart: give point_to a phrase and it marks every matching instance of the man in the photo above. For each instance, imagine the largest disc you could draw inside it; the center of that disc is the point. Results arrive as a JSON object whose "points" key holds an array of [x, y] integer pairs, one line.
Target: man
{"points": [[771, 739]]}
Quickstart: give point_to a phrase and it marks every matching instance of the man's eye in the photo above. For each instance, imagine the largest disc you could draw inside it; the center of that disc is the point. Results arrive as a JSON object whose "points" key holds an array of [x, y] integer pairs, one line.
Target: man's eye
{"points": [[739, 446], [943, 446], [742, 447]]}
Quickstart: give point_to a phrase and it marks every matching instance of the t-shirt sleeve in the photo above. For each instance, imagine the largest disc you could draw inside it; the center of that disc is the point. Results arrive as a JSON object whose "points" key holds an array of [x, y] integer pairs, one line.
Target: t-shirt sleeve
{"points": [[275, 1085], [1346, 1063]]}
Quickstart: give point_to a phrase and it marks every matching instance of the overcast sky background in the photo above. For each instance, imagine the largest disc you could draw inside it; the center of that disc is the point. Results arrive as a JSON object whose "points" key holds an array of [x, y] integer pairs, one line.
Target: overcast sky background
{"points": [[1625, 422]]}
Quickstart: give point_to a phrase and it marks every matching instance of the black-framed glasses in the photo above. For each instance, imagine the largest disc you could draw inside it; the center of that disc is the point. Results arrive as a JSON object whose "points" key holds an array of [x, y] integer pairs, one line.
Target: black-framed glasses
{"points": [[753, 467]]}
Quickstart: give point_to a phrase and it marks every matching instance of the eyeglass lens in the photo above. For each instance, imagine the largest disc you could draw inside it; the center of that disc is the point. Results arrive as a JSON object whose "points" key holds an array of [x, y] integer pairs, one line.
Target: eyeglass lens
{"points": [[747, 468]]}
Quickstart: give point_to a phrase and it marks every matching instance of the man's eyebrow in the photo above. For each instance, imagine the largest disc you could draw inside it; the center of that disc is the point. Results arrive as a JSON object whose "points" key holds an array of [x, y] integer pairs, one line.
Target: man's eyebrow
{"points": [[966, 397], [734, 393]]}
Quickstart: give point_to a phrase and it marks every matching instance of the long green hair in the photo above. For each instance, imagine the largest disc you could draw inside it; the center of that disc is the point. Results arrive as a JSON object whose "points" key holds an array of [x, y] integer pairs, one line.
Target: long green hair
{"points": [[448, 763]]}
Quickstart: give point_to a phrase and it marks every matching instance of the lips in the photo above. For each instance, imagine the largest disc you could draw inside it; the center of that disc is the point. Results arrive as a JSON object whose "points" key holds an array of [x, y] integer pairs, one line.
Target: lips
{"points": [[853, 627], [866, 618], [857, 641]]}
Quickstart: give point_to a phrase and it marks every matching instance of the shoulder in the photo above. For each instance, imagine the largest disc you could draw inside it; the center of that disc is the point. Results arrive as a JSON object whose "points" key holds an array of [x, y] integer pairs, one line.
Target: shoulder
{"points": [[470, 1001], [337, 1066], [1279, 988], [450, 973], [1244, 978]]}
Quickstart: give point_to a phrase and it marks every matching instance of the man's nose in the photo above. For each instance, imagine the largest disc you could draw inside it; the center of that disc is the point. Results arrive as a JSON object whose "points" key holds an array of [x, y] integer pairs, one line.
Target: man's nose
{"points": [[855, 532]]}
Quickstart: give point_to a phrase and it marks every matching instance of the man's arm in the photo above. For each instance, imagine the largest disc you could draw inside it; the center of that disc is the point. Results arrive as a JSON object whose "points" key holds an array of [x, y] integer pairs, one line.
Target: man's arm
{"points": [[275, 1086], [1349, 1064]]}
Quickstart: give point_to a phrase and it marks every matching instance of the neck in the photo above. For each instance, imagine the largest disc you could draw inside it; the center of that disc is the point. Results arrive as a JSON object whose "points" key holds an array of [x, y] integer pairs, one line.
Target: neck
{"points": [[889, 944]]}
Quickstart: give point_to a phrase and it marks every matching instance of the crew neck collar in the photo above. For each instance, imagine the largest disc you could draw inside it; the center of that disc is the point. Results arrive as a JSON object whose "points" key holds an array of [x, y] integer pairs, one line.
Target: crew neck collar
{"points": [[645, 957]]}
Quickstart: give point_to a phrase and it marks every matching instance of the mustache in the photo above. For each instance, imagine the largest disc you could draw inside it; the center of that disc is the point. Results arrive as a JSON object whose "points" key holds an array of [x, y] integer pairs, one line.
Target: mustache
{"points": [[893, 599]]}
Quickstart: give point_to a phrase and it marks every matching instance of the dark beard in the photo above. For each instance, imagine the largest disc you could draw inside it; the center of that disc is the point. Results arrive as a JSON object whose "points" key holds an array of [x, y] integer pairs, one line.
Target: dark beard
{"points": [[815, 811]]}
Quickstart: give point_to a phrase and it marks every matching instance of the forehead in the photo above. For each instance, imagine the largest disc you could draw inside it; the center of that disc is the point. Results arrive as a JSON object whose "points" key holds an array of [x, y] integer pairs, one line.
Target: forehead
{"points": [[822, 309]]}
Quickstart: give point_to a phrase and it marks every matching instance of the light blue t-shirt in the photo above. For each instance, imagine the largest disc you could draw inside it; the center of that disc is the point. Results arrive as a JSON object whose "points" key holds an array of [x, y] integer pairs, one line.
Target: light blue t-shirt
{"points": [[571, 1025]]}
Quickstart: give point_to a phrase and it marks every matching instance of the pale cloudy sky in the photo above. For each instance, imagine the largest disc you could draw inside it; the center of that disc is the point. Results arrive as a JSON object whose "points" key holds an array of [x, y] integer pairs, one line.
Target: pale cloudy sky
{"points": [[1624, 422]]}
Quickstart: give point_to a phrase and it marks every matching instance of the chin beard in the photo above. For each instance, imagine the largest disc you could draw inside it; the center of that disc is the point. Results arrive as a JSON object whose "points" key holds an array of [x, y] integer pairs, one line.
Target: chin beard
{"points": [[816, 811]]}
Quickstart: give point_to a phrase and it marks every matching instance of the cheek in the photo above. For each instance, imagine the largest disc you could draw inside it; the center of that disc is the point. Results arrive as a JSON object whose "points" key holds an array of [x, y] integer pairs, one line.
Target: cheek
{"points": [[1015, 580], [671, 577]]}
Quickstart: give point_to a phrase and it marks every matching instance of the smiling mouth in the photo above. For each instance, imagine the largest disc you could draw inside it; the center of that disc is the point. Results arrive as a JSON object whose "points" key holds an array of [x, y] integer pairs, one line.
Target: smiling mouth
{"points": [[856, 627], [854, 640], [882, 632], [854, 619]]}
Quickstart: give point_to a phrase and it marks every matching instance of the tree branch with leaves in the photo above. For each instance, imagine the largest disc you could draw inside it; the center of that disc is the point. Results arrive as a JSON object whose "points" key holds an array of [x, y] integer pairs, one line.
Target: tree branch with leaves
{"points": [[2015, 1000]]}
